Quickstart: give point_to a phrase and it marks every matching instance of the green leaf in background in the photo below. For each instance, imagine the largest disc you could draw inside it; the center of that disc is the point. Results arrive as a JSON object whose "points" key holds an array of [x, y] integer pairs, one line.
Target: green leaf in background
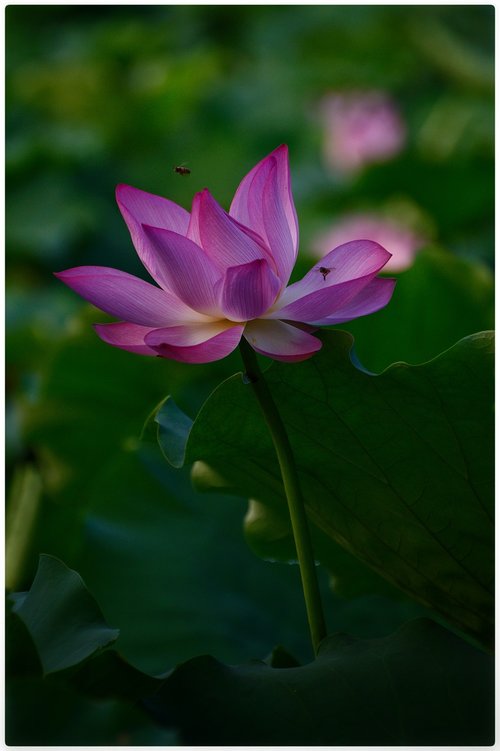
{"points": [[64, 620], [419, 686], [438, 301], [396, 468]]}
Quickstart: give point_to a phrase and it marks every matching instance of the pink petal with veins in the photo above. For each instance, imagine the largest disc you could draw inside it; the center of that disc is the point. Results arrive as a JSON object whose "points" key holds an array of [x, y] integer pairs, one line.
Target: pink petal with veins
{"points": [[223, 239], [128, 336], [138, 208], [343, 264], [247, 291], [281, 341], [196, 344], [321, 304], [373, 297], [247, 206], [332, 283], [188, 271], [277, 228], [193, 231], [127, 297]]}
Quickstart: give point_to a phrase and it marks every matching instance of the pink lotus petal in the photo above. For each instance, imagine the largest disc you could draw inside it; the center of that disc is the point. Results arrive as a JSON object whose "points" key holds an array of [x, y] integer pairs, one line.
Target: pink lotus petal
{"points": [[188, 271], [277, 227], [193, 232], [224, 239], [247, 291], [146, 208], [280, 340], [322, 303], [332, 283], [196, 344], [127, 297], [374, 296], [345, 263], [126, 336], [138, 208], [247, 206]]}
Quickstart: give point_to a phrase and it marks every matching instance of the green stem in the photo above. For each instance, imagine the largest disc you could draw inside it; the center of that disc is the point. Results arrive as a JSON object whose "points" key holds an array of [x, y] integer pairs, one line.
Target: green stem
{"points": [[293, 494]]}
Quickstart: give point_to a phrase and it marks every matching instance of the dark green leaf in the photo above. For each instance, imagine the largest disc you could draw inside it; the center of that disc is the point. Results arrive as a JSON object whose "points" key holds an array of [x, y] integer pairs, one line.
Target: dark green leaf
{"points": [[268, 532], [419, 686], [62, 617], [21, 655], [108, 674], [280, 658], [396, 468]]}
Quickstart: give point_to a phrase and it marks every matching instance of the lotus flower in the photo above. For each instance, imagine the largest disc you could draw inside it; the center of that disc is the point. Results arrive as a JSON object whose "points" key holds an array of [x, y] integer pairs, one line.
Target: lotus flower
{"points": [[222, 276], [361, 128]]}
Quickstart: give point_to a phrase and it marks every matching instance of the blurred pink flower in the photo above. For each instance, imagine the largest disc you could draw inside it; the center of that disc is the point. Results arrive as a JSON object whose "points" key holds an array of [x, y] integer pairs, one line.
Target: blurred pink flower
{"points": [[360, 128], [223, 275], [401, 241]]}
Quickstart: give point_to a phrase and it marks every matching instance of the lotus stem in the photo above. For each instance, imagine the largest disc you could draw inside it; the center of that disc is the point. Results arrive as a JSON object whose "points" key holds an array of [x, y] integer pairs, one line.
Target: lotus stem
{"points": [[291, 484]]}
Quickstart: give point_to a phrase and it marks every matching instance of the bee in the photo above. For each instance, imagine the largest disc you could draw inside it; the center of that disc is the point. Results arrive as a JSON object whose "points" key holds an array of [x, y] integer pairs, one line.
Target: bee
{"points": [[324, 271], [182, 169]]}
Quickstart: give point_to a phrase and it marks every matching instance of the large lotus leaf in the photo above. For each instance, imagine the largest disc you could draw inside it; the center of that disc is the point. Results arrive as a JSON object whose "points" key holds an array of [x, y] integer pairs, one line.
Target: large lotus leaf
{"points": [[64, 621], [436, 302], [420, 686], [396, 468]]}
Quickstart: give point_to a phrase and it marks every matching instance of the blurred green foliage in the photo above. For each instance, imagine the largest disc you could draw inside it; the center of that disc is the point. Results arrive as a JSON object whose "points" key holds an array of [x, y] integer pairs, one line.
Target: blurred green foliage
{"points": [[98, 95]]}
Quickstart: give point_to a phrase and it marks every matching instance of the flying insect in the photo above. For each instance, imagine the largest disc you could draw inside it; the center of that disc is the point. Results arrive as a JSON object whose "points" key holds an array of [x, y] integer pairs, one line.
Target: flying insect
{"points": [[182, 169]]}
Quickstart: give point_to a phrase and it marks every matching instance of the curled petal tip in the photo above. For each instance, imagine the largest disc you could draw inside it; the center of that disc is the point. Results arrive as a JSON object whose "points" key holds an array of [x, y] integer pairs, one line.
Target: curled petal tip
{"points": [[121, 191], [120, 187], [68, 273]]}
